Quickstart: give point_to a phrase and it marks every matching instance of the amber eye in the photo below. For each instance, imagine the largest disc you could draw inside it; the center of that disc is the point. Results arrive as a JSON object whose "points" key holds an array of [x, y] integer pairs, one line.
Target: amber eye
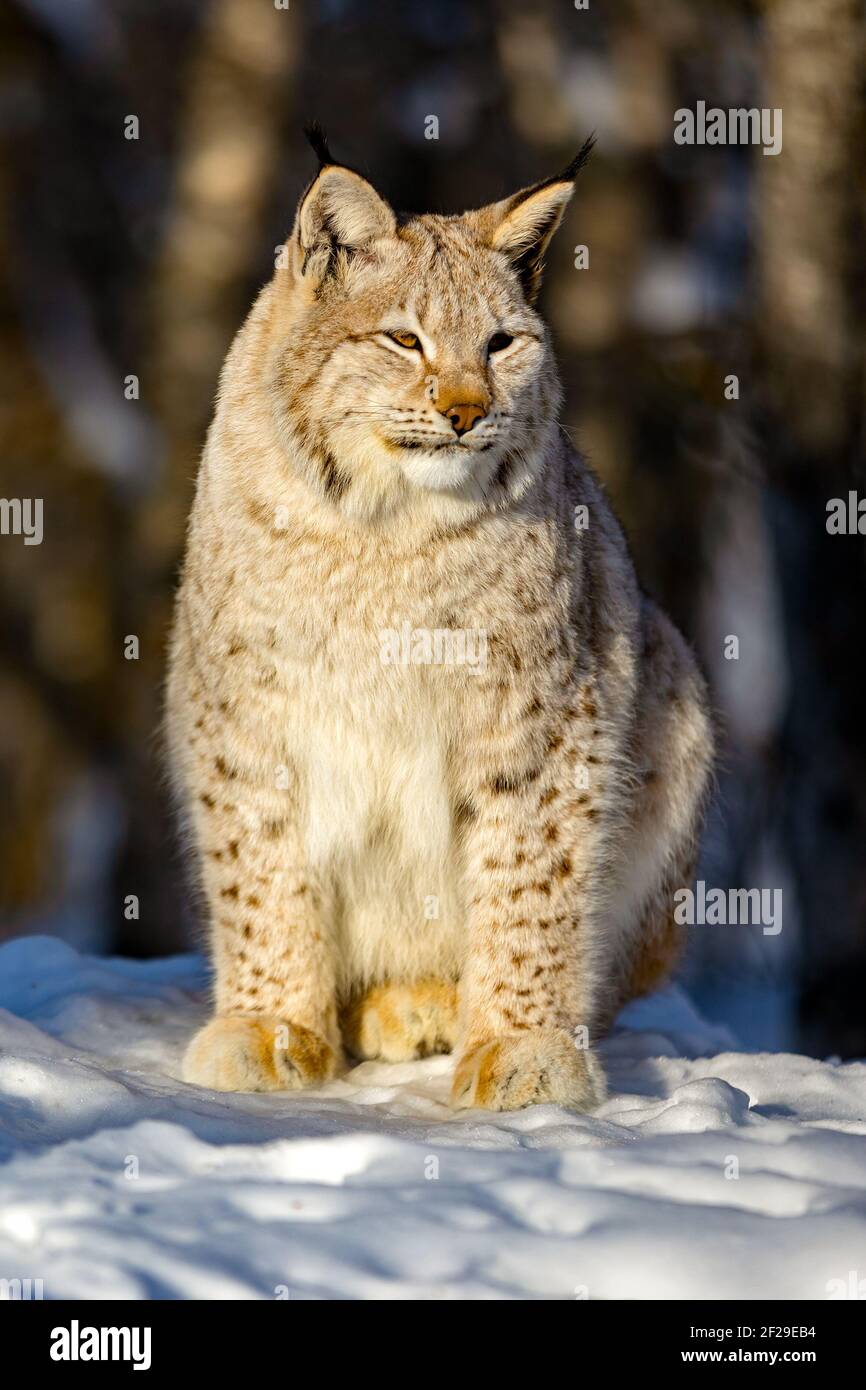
{"points": [[499, 342], [405, 339]]}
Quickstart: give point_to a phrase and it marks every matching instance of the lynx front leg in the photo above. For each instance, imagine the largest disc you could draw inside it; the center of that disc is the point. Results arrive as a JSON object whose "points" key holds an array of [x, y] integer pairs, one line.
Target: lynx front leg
{"points": [[275, 1026], [530, 992]]}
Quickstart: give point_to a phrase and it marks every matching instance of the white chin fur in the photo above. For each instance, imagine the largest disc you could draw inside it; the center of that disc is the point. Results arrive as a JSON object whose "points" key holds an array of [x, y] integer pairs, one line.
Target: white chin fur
{"points": [[447, 470]]}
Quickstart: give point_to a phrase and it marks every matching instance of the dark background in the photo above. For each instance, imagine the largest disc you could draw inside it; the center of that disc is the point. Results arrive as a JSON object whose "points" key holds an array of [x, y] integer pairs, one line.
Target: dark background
{"points": [[122, 257]]}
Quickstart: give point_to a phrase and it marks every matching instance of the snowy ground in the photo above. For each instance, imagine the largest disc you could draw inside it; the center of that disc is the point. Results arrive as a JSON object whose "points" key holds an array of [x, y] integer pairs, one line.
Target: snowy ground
{"points": [[118, 1181]]}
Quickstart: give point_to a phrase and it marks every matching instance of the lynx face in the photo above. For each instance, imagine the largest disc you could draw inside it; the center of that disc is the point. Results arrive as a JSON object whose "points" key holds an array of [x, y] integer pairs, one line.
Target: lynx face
{"points": [[417, 362]]}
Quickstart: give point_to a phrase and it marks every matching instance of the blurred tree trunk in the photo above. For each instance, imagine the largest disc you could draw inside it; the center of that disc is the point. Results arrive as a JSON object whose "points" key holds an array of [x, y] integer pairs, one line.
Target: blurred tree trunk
{"points": [[55, 598], [811, 334], [238, 89]]}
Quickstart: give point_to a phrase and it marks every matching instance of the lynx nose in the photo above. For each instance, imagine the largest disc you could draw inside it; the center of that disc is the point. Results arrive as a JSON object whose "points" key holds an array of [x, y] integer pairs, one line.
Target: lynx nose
{"points": [[463, 417]]}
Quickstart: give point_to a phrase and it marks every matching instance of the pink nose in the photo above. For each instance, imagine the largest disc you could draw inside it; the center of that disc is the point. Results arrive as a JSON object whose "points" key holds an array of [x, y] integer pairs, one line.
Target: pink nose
{"points": [[464, 417]]}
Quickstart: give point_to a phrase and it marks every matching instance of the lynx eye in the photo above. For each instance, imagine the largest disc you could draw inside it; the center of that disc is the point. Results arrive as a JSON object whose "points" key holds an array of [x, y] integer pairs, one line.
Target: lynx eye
{"points": [[499, 342], [405, 339]]}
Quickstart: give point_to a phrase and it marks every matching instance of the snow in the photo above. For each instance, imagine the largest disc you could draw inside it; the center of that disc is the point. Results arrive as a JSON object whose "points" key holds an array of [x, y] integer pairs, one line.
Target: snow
{"points": [[119, 1181]]}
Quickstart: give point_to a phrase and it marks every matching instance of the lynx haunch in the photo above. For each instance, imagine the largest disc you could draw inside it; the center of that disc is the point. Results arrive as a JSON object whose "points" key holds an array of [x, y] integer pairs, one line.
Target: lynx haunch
{"points": [[329, 794]]}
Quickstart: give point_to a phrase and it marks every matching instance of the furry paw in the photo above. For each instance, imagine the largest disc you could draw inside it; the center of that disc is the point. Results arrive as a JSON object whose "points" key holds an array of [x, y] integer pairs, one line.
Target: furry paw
{"points": [[528, 1068], [238, 1053], [397, 1022]]}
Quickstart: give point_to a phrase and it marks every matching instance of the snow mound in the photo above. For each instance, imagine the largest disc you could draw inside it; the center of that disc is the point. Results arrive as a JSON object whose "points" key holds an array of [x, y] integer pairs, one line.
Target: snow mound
{"points": [[708, 1173]]}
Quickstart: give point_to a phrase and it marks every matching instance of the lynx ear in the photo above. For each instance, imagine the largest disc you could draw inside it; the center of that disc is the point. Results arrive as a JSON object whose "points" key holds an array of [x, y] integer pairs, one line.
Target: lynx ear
{"points": [[339, 213], [522, 226]]}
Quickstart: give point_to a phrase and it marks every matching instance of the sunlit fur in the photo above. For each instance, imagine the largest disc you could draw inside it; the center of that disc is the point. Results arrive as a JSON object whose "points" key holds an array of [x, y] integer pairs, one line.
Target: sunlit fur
{"points": [[372, 834]]}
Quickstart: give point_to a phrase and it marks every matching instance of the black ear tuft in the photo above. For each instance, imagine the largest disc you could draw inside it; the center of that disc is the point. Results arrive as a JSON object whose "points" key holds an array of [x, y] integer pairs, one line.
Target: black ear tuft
{"points": [[573, 169], [319, 141], [526, 222]]}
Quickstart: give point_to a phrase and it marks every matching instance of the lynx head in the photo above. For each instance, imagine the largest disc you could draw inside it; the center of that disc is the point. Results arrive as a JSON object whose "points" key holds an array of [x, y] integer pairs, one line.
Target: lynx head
{"points": [[408, 357]]}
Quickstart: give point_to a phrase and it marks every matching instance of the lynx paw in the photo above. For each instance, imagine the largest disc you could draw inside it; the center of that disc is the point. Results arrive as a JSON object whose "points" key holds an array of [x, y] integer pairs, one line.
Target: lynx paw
{"points": [[527, 1069], [257, 1054], [397, 1022]]}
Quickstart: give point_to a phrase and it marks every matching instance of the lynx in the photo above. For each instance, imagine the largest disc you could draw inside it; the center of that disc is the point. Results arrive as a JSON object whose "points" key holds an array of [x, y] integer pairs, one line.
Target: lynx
{"points": [[404, 856]]}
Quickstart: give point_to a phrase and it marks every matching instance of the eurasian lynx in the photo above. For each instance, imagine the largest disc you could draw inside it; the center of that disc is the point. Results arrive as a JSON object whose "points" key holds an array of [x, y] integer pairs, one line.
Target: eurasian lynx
{"points": [[442, 761]]}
